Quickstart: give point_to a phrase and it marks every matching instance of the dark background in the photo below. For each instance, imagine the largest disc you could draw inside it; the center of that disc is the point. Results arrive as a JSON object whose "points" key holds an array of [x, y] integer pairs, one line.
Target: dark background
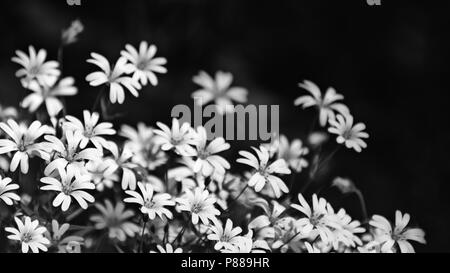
{"points": [[389, 61]]}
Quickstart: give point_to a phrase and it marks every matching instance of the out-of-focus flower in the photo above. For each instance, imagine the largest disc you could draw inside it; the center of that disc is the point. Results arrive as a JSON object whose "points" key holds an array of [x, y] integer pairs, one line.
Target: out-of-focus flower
{"points": [[347, 231], [345, 185], [115, 77], [70, 34], [225, 236], [207, 161], [218, 90], [144, 63], [68, 153], [7, 112], [70, 185], [151, 204], [179, 138], [30, 234], [347, 133], [400, 235], [35, 67], [293, 153], [327, 105], [122, 161], [317, 138], [65, 244], [91, 130], [100, 175], [200, 204], [264, 171], [115, 219], [24, 143], [6, 191], [142, 143], [167, 249], [317, 220], [47, 93]]}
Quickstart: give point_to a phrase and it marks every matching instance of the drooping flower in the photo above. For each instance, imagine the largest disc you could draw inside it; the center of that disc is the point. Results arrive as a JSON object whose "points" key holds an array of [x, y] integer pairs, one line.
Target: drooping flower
{"points": [[327, 105], [70, 34], [47, 93], [91, 130], [7, 112], [144, 63], [347, 133], [218, 90], [207, 161], [225, 236], [71, 184], [30, 234], [264, 172], [151, 204], [178, 138], [6, 191], [35, 66], [200, 204], [116, 77], [116, 220], [68, 152], [399, 236], [23, 142]]}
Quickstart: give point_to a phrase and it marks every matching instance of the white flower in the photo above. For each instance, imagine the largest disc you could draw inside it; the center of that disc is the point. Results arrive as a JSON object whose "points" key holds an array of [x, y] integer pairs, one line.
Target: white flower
{"points": [[65, 244], [116, 220], [265, 172], [6, 191], [264, 224], [47, 92], [225, 236], [207, 161], [70, 35], [292, 153], [327, 105], [178, 138], [8, 112], [30, 234], [400, 235], [151, 204], [143, 62], [312, 248], [122, 161], [317, 220], [68, 152], [35, 66], [91, 131], [347, 133], [218, 90], [115, 78], [70, 185], [348, 230], [100, 174], [167, 249], [200, 204], [23, 142], [142, 142]]}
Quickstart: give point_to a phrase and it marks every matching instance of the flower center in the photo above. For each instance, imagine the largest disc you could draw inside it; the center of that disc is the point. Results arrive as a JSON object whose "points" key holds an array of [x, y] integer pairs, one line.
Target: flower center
{"points": [[225, 238], [27, 237], [315, 219], [142, 64], [149, 204], [203, 154], [66, 188], [348, 134], [196, 208], [34, 70]]}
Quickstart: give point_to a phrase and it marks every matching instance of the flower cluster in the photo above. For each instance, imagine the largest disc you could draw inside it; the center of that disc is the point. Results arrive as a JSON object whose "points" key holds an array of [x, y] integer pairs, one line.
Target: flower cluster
{"points": [[170, 188]]}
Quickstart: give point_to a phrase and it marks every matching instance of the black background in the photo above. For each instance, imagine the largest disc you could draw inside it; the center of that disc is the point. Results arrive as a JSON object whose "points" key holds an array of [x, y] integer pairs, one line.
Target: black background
{"points": [[389, 61]]}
